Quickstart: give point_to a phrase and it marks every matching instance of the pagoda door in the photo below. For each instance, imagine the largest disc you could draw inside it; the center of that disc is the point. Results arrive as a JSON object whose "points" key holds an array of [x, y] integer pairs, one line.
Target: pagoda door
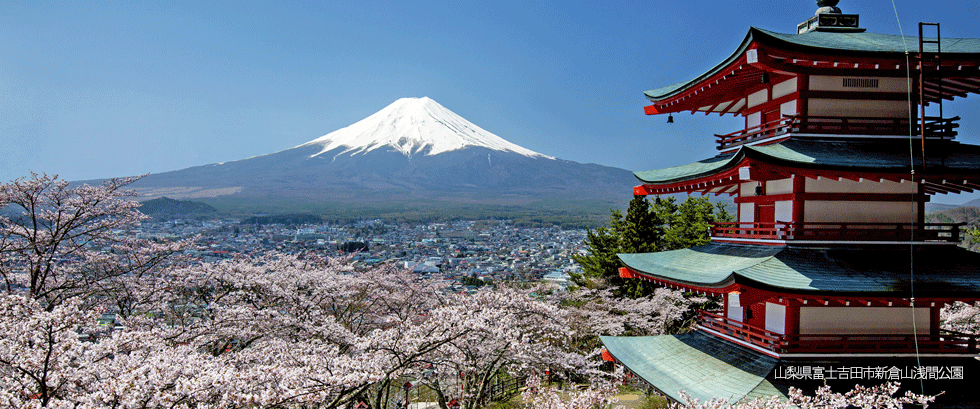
{"points": [[755, 315], [765, 218], [765, 213], [769, 120]]}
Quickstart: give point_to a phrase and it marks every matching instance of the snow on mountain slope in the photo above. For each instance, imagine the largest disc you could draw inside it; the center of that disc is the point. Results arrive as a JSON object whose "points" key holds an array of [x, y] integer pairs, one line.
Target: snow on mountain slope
{"points": [[412, 126]]}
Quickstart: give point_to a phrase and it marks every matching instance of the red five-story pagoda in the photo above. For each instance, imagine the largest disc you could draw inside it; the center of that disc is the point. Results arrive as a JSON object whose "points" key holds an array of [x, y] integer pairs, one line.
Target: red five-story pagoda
{"points": [[830, 272]]}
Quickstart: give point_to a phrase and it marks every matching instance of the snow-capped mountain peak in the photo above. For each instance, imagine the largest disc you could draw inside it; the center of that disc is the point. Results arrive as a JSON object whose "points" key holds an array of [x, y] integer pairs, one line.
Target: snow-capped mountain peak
{"points": [[412, 126]]}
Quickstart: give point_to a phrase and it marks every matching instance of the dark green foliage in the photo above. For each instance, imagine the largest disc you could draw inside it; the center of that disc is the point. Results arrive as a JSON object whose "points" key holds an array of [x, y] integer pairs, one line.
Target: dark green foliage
{"points": [[970, 233], [286, 219], [353, 246], [473, 280], [166, 208], [691, 223], [644, 225], [603, 246], [648, 226], [567, 214]]}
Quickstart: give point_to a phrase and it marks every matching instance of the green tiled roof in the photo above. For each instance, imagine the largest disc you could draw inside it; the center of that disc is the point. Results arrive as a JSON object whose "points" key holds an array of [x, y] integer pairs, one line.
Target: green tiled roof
{"points": [[702, 366], [885, 270], [683, 172], [706, 367], [866, 42], [837, 42], [889, 155]]}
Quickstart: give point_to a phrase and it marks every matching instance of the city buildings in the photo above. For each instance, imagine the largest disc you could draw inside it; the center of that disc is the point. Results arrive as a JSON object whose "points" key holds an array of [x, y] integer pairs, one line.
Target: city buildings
{"points": [[492, 251]]}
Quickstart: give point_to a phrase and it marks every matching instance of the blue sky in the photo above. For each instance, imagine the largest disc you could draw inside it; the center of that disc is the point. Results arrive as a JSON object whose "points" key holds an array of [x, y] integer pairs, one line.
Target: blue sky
{"points": [[112, 88]]}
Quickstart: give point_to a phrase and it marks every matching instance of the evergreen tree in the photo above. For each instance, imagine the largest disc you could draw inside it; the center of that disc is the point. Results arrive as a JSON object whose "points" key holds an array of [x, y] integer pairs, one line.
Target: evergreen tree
{"points": [[690, 223], [649, 226], [601, 263], [642, 230]]}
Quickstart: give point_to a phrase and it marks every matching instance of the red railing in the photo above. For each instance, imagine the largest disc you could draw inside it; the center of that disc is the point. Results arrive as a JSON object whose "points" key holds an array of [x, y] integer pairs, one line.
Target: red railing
{"points": [[714, 321], [946, 232], [778, 127], [936, 127], [946, 342]]}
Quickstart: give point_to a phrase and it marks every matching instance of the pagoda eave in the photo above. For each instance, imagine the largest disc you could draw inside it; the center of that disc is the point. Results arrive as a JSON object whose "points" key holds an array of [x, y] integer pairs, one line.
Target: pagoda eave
{"points": [[838, 271], [715, 289], [757, 292], [767, 58], [953, 172]]}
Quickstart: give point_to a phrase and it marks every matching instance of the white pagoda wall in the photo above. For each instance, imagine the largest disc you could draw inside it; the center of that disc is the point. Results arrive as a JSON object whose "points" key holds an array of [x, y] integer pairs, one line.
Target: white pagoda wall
{"points": [[824, 185], [735, 311], [776, 318], [746, 213], [778, 187], [763, 96], [835, 211], [836, 83], [784, 88], [788, 108], [862, 320], [857, 107], [859, 211]]}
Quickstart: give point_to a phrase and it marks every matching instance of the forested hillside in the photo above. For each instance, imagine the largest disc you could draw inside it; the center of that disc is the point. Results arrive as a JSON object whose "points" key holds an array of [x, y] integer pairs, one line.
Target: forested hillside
{"points": [[963, 214]]}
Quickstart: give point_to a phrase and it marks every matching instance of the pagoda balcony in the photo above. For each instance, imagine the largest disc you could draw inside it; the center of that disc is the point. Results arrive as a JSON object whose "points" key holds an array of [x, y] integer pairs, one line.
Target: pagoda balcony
{"points": [[943, 343], [785, 127], [844, 232]]}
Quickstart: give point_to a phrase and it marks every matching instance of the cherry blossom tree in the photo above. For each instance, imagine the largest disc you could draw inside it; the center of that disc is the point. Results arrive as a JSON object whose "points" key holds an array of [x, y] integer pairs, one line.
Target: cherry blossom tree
{"points": [[601, 397], [876, 397], [334, 335], [961, 317], [512, 333], [597, 396], [601, 312], [58, 242]]}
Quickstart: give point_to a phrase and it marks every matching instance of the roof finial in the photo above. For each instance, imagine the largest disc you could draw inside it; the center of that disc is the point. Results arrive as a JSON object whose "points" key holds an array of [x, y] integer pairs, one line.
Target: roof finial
{"points": [[827, 6], [829, 18]]}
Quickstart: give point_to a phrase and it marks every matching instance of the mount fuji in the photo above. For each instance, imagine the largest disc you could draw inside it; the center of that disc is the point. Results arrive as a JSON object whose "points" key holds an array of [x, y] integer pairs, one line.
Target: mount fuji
{"points": [[412, 153]]}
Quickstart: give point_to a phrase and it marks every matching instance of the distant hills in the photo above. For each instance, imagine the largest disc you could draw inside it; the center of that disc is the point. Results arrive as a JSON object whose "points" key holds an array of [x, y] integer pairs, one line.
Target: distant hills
{"points": [[414, 159], [937, 207], [961, 214]]}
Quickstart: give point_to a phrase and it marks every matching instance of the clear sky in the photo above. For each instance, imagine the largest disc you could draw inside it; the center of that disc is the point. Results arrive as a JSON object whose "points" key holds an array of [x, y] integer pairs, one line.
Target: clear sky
{"points": [[95, 89]]}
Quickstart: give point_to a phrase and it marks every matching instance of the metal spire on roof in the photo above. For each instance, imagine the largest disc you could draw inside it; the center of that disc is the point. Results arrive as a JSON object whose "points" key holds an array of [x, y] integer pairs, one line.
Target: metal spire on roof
{"points": [[829, 18], [827, 6]]}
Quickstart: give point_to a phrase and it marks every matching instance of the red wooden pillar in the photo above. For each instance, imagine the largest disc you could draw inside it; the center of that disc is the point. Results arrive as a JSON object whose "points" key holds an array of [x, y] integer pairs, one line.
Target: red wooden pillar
{"points": [[799, 193], [793, 317], [803, 89]]}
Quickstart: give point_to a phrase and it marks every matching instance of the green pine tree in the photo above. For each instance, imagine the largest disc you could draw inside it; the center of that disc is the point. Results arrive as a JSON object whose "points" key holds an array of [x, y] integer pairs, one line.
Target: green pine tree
{"points": [[601, 264], [642, 230], [690, 224], [649, 226]]}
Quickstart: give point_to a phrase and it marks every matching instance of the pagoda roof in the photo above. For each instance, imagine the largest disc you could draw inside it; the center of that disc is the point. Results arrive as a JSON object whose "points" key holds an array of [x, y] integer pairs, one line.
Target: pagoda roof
{"points": [[879, 156], [702, 366], [939, 271], [706, 367], [815, 49]]}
